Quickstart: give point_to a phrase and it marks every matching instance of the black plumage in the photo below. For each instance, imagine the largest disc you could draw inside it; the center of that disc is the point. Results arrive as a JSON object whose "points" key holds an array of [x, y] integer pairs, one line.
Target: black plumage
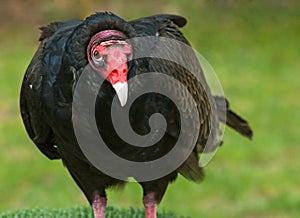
{"points": [[47, 95]]}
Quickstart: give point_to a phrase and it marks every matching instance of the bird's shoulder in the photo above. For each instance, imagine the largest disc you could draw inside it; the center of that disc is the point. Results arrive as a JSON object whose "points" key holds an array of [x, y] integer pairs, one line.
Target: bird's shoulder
{"points": [[158, 25]]}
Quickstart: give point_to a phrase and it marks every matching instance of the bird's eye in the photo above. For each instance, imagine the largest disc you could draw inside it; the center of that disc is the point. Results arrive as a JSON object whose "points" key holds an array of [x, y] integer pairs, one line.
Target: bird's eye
{"points": [[96, 54], [98, 59]]}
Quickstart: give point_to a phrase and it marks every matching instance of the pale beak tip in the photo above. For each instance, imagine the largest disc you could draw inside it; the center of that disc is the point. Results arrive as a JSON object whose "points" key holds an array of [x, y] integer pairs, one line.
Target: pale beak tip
{"points": [[122, 92], [123, 102]]}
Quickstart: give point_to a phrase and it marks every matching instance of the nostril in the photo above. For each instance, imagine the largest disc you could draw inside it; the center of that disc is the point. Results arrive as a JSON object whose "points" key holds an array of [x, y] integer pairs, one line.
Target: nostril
{"points": [[118, 72], [114, 72]]}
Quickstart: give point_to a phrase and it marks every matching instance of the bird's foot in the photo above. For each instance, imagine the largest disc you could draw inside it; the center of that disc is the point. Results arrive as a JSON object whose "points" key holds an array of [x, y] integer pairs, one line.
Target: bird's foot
{"points": [[99, 205], [150, 205]]}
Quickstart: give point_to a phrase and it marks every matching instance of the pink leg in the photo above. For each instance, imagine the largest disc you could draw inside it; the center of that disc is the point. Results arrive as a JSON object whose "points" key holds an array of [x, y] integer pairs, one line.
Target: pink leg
{"points": [[150, 205], [99, 205]]}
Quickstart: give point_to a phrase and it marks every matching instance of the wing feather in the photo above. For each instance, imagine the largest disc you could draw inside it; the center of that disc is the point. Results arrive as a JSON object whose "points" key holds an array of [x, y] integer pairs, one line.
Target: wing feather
{"points": [[31, 106], [168, 26]]}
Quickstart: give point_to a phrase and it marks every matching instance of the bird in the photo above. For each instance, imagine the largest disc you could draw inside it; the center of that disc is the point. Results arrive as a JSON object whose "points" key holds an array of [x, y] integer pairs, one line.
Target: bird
{"points": [[104, 47]]}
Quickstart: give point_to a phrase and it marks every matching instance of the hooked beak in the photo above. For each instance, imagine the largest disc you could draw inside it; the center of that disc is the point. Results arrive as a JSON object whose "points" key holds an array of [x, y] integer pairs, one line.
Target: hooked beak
{"points": [[121, 89]]}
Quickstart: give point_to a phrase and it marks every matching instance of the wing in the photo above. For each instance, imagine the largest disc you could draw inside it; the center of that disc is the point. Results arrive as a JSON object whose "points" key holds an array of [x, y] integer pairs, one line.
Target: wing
{"points": [[168, 26], [30, 101], [32, 91]]}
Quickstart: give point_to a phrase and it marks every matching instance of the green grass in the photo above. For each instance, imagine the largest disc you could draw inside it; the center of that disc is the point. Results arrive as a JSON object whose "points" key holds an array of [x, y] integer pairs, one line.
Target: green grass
{"points": [[79, 212], [255, 51]]}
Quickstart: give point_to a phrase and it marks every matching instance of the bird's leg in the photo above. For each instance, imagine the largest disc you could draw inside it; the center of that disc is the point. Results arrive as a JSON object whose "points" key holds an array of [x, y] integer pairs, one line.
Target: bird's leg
{"points": [[150, 205], [99, 205]]}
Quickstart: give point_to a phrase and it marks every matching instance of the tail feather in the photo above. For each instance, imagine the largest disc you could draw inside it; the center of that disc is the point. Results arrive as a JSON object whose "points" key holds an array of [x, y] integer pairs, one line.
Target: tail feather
{"points": [[231, 119], [191, 169]]}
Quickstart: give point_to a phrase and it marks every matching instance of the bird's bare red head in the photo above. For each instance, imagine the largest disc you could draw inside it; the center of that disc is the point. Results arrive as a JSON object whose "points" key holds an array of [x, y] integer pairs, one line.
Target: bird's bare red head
{"points": [[108, 53]]}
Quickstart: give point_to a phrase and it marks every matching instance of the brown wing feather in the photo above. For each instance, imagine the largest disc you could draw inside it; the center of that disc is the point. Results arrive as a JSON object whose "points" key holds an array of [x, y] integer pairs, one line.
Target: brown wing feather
{"points": [[166, 27]]}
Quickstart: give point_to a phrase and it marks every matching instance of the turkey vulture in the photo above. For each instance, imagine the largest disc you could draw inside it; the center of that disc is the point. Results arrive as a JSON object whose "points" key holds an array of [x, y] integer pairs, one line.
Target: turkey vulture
{"points": [[106, 46]]}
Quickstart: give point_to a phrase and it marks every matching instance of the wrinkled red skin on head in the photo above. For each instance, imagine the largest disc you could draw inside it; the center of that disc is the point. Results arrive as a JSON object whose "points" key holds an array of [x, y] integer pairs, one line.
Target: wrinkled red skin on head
{"points": [[115, 53]]}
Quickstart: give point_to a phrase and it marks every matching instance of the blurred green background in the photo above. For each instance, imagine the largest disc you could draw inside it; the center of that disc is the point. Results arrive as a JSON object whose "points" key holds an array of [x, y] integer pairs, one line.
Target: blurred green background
{"points": [[254, 47]]}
